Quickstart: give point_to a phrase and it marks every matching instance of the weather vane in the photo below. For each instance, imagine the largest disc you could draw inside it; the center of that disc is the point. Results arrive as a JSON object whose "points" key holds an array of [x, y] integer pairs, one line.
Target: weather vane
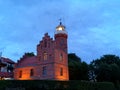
{"points": [[60, 21]]}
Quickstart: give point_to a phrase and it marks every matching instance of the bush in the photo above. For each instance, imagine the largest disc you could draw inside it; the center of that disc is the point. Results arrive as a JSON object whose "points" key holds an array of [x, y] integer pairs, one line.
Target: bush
{"points": [[54, 85]]}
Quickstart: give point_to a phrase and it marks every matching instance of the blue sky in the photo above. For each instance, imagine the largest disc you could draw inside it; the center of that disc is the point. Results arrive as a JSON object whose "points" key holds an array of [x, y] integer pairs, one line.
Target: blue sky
{"points": [[93, 26]]}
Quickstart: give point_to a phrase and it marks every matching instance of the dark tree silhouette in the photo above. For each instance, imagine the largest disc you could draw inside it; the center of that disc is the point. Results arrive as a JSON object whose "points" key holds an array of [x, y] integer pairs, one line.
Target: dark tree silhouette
{"points": [[29, 54], [107, 68], [77, 70]]}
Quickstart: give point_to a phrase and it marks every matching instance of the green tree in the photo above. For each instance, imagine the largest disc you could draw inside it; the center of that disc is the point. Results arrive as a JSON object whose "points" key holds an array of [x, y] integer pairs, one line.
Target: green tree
{"points": [[84, 71], [74, 66], [77, 70], [29, 54], [73, 57], [115, 72], [103, 72], [107, 68], [91, 73]]}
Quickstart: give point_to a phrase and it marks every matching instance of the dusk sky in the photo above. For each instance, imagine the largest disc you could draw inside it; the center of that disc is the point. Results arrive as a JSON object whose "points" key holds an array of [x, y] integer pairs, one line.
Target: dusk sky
{"points": [[93, 26]]}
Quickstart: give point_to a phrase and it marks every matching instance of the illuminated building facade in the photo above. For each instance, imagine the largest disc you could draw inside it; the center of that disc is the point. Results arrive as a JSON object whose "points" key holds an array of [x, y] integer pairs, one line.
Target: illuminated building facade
{"points": [[51, 61]]}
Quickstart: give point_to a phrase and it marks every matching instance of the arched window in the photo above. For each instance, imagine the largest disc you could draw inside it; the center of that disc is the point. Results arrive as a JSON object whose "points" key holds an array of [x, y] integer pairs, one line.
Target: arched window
{"points": [[31, 72], [45, 56], [61, 57], [61, 71], [44, 71], [20, 74]]}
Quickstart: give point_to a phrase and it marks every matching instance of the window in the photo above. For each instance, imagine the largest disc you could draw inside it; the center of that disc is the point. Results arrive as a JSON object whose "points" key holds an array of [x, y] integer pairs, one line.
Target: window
{"points": [[61, 71], [61, 57], [62, 42], [44, 71], [31, 72], [45, 56], [20, 74]]}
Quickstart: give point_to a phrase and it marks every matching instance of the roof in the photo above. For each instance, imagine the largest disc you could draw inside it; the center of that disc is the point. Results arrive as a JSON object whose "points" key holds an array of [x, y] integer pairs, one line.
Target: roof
{"points": [[7, 60], [27, 61]]}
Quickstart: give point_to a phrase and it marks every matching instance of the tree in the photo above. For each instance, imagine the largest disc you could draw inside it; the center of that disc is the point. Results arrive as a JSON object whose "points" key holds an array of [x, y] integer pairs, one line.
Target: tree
{"points": [[29, 54], [103, 72], [91, 73], [73, 57], [74, 66], [77, 70], [84, 71], [107, 68], [115, 72]]}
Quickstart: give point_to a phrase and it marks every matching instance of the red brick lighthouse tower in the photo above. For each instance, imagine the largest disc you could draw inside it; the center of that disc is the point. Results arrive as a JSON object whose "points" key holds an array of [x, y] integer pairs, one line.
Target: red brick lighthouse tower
{"points": [[61, 55]]}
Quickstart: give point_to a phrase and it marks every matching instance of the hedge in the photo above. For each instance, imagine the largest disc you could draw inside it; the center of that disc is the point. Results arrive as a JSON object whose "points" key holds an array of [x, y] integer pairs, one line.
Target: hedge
{"points": [[54, 85]]}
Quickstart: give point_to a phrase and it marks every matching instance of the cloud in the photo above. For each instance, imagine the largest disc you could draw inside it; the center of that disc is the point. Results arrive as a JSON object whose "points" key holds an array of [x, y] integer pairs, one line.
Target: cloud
{"points": [[93, 26]]}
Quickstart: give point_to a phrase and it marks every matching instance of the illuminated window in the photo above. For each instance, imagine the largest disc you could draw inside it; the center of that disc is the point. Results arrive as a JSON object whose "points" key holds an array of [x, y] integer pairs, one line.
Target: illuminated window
{"points": [[45, 56], [61, 71], [44, 71], [61, 57], [20, 74], [31, 72]]}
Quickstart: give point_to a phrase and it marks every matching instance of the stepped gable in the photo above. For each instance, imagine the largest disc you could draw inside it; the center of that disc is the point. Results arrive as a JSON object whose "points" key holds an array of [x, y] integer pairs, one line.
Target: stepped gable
{"points": [[26, 61], [46, 39]]}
